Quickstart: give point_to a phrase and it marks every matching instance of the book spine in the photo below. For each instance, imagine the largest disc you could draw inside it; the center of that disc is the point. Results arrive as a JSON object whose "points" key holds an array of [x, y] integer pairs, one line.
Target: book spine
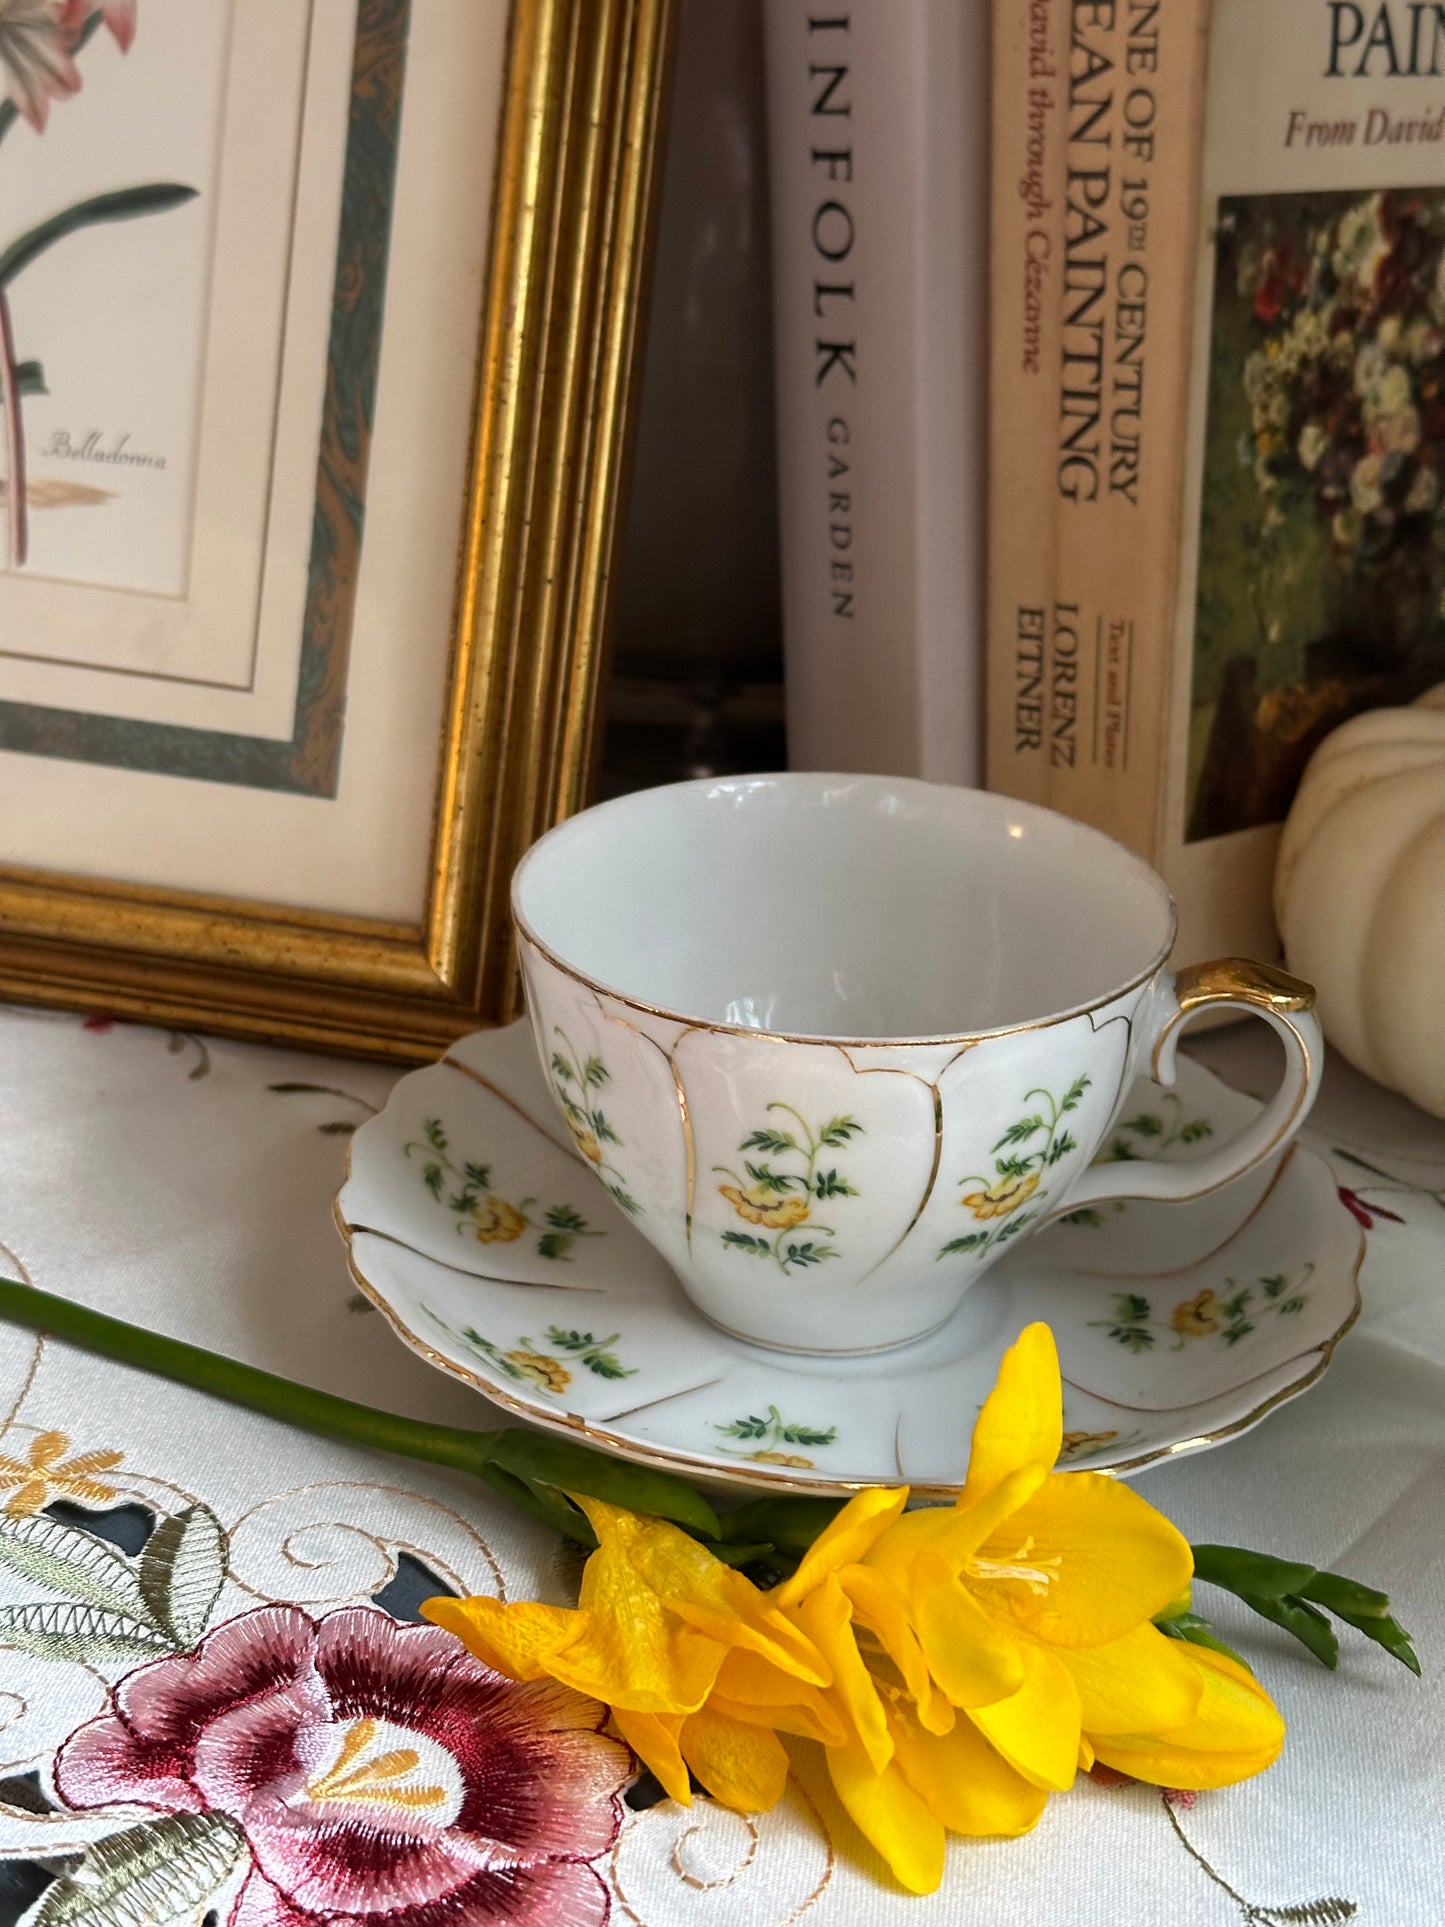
{"points": [[1096, 146], [878, 159]]}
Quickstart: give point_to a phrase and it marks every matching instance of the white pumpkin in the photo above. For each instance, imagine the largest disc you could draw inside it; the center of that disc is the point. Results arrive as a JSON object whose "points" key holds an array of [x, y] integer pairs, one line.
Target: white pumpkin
{"points": [[1359, 893]]}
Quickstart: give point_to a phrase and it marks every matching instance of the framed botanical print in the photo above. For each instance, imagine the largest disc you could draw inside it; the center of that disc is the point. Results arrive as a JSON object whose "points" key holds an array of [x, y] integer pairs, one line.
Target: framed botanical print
{"points": [[319, 326]]}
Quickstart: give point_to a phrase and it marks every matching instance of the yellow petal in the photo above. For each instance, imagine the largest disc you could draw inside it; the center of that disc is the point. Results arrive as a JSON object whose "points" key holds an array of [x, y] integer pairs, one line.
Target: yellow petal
{"points": [[742, 1766], [969, 1654], [883, 1609], [515, 1640], [627, 1649], [1087, 1755], [748, 1688], [824, 1616], [953, 1533], [701, 1590], [653, 1737], [1037, 1729], [1143, 1683], [847, 1539], [1102, 1561], [1022, 1421], [966, 1784], [1236, 1732], [888, 1812]]}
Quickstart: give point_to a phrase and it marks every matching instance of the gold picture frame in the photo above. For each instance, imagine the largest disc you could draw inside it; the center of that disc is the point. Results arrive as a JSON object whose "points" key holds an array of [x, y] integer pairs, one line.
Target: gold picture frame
{"points": [[572, 210]]}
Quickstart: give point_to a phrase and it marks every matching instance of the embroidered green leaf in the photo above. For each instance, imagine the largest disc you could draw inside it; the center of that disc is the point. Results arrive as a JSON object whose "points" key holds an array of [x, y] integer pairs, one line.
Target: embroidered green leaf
{"points": [[182, 1570], [147, 1876], [1330, 1912], [90, 1634], [73, 1563]]}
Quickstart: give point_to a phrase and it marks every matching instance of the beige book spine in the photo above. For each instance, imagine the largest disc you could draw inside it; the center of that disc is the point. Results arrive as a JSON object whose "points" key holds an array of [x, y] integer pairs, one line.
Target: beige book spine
{"points": [[1087, 447]]}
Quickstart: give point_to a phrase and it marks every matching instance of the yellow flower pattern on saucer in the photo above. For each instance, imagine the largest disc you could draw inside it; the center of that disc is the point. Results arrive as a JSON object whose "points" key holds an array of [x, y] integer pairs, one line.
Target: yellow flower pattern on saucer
{"points": [[957, 1664]]}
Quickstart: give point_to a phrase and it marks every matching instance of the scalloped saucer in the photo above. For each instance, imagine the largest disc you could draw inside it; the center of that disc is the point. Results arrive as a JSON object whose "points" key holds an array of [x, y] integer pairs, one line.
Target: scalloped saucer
{"points": [[480, 1233]]}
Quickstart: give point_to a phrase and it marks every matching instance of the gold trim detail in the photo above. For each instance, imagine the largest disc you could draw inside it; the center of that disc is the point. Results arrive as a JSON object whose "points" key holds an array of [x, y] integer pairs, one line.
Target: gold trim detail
{"points": [[574, 200], [1235, 980], [764, 1478], [963, 1039]]}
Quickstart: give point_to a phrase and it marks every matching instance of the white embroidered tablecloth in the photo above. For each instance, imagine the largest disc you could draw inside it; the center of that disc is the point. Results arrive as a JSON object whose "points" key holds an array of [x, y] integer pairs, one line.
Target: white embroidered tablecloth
{"points": [[186, 1184]]}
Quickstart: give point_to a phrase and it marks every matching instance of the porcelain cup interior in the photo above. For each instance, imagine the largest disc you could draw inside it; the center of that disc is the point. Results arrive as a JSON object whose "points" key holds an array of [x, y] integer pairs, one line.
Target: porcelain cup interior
{"points": [[789, 1020], [843, 907]]}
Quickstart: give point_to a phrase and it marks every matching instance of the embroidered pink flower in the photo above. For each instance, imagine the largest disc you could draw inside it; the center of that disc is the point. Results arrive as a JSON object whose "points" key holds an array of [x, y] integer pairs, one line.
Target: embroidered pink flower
{"points": [[378, 1772]]}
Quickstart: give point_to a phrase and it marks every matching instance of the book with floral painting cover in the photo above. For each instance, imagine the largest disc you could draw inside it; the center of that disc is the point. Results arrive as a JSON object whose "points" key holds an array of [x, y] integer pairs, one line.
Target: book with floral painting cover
{"points": [[1268, 557]]}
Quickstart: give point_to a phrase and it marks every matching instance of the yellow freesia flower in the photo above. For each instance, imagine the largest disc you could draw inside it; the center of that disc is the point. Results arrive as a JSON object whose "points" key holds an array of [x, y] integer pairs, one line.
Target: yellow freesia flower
{"points": [[957, 1664]]}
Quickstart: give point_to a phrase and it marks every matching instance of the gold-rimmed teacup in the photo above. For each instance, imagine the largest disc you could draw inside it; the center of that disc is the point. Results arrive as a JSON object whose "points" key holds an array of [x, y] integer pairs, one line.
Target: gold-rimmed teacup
{"points": [[838, 1043]]}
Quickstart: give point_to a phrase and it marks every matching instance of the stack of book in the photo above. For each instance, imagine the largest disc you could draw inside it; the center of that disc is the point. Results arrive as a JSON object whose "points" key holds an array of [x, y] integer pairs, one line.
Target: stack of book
{"points": [[1216, 411]]}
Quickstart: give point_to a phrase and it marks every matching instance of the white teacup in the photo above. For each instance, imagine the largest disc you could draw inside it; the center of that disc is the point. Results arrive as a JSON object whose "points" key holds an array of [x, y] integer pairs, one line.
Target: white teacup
{"points": [[836, 1043]]}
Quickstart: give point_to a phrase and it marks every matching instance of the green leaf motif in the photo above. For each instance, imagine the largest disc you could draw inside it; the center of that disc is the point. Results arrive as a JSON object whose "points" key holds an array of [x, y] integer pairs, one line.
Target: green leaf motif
{"points": [[73, 1563], [89, 1634], [30, 379], [745, 1241], [159, 1872], [767, 1140], [839, 1131], [123, 205], [182, 1570]]}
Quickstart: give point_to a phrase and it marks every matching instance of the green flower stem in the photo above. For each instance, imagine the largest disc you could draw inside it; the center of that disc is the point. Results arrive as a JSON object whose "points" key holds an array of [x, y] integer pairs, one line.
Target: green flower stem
{"points": [[531, 1468]]}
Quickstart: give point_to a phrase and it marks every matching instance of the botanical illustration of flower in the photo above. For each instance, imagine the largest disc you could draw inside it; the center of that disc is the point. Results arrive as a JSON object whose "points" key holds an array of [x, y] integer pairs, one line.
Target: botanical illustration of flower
{"points": [[576, 1083], [45, 1474], [765, 1436], [537, 1366], [356, 1768], [1208, 1314], [1019, 1173], [38, 43], [777, 1190], [485, 1216]]}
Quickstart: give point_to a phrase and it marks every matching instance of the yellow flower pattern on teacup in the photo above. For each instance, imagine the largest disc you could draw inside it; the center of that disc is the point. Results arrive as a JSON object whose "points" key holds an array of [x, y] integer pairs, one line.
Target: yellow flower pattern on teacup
{"points": [[1029, 1149], [578, 1082], [1002, 1196], [762, 1207], [781, 1180], [764, 1434]]}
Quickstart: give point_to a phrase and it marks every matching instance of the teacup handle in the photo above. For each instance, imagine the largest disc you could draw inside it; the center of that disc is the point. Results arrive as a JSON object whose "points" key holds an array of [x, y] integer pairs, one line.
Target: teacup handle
{"points": [[1286, 1004]]}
